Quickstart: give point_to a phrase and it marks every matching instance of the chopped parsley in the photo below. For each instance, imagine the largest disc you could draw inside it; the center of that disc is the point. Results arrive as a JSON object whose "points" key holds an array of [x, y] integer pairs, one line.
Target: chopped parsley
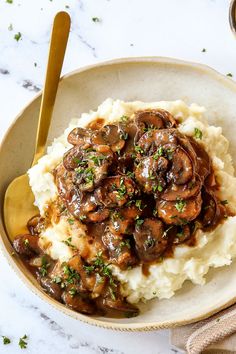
{"points": [[197, 133], [130, 174], [98, 159], [82, 217], [124, 119], [71, 221], [138, 204], [139, 222], [149, 242], [96, 19], [89, 175], [68, 243], [112, 293], [155, 212], [44, 266], [71, 274], [160, 152], [151, 175], [10, 27], [79, 162], [203, 50], [72, 292], [6, 340], [138, 149], [57, 280], [158, 188], [17, 36], [89, 268], [9, 1], [124, 135], [229, 75], [35, 64], [124, 244], [180, 205], [22, 342], [224, 202], [26, 242], [121, 190]]}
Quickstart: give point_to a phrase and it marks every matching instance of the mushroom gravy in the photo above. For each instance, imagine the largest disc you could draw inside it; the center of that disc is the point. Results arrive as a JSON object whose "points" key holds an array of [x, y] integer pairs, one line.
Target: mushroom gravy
{"points": [[140, 188]]}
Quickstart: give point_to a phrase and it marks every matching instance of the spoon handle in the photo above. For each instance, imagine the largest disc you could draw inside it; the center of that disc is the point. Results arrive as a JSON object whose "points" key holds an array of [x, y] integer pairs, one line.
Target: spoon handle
{"points": [[59, 38]]}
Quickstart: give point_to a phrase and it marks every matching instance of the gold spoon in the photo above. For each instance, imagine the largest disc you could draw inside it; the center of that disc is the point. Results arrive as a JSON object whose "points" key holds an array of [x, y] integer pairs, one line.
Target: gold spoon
{"points": [[18, 202]]}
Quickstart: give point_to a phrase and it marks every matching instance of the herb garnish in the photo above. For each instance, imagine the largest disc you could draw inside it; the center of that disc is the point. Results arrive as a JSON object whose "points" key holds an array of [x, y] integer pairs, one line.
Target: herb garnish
{"points": [[149, 242], [121, 190], [44, 267], [17, 36], [138, 204], [229, 75], [96, 19], [72, 275], [160, 152], [124, 119], [22, 342], [197, 133], [139, 222], [6, 340], [180, 205], [71, 221], [98, 159], [68, 243], [138, 149], [203, 50], [26, 242], [72, 292], [10, 27], [9, 1], [224, 202]]}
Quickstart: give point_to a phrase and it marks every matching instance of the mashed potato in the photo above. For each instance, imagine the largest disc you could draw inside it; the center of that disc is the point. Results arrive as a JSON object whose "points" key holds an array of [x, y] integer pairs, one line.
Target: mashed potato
{"points": [[213, 249]]}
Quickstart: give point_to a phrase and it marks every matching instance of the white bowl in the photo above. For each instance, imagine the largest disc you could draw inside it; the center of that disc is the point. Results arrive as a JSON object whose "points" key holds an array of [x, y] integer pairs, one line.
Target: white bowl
{"points": [[145, 79]]}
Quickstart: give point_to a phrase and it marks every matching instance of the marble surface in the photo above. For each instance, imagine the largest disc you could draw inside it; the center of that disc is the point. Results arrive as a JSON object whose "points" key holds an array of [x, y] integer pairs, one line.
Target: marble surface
{"points": [[125, 28]]}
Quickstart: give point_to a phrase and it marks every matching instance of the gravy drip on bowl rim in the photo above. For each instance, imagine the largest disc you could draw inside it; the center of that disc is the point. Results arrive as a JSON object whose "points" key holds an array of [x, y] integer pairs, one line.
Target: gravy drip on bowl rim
{"points": [[139, 188]]}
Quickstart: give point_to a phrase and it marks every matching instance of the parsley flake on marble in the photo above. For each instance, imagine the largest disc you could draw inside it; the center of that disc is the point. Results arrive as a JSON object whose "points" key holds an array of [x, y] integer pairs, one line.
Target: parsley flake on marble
{"points": [[18, 36], [23, 342], [96, 19], [6, 340]]}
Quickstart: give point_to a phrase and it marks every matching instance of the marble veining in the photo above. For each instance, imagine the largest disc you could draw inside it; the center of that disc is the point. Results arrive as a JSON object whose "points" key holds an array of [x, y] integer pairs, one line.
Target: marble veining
{"points": [[124, 28]]}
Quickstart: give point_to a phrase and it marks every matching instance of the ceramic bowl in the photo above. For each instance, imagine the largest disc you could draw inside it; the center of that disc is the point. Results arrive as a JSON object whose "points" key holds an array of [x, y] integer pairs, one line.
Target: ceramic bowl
{"points": [[145, 79]]}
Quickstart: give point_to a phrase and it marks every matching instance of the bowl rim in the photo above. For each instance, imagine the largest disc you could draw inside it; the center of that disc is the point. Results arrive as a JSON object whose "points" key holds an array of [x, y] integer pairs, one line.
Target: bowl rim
{"points": [[41, 294]]}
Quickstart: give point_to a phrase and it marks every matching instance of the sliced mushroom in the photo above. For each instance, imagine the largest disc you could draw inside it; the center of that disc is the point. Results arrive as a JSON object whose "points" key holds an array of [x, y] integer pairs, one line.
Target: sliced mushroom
{"points": [[122, 220], [154, 118], [81, 136], [181, 191], [203, 162], [119, 249], [115, 191], [73, 158], [52, 288], [151, 140], [182, 168], [35, 224], [210, 209], [114, 305], [79, 302], [149, 174], [179, 211], [113, 136], [26, 245], [183, 233], [149, 241]]}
